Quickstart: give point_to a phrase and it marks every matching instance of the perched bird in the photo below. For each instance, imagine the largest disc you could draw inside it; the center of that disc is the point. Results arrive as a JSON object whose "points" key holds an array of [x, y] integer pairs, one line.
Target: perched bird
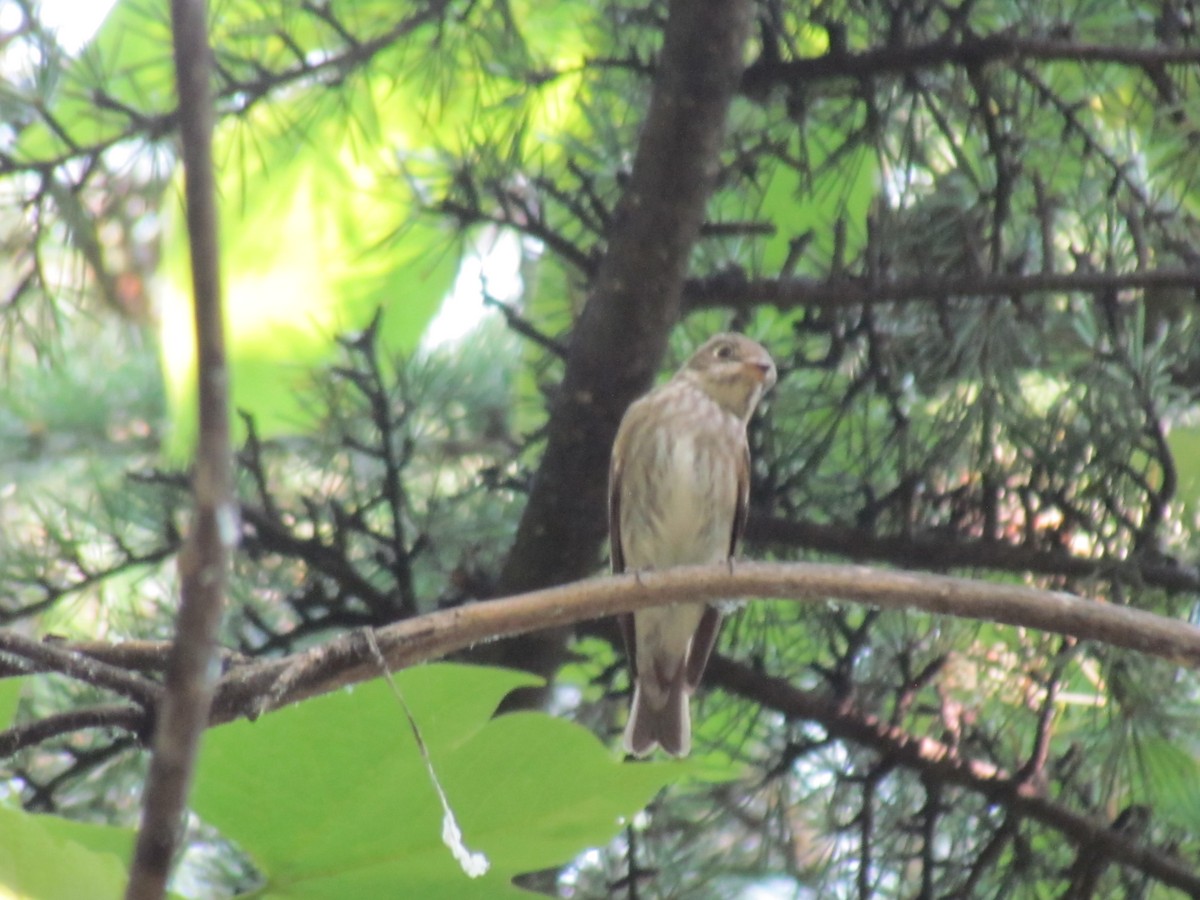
{"points": [[678, 487]]}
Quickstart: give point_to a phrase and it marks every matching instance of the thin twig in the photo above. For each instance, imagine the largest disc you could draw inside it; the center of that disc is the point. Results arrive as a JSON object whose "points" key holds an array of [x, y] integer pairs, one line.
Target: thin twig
{"points": [[30, 734], [49, 656]]}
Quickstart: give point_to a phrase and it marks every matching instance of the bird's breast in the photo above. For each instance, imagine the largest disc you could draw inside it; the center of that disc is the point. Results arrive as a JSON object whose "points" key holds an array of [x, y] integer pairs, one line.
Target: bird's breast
{"points": [[680, 512]]}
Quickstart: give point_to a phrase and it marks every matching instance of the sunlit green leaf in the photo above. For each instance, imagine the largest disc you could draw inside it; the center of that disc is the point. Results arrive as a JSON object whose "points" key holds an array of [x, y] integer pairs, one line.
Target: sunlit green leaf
{"points": [[310, 251]]}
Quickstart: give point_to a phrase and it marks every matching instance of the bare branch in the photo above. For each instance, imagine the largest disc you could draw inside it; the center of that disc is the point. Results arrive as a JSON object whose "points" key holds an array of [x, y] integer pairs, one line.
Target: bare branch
{"points": [[125, 656], [30, 734], [971, 51], [47, 656], [735, 290], [204, 561], [934, 551], [346, 660]]}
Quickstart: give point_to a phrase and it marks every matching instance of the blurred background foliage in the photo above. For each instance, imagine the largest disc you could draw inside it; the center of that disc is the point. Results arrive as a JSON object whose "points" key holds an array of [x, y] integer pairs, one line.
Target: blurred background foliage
{"points": [[966, 230]]}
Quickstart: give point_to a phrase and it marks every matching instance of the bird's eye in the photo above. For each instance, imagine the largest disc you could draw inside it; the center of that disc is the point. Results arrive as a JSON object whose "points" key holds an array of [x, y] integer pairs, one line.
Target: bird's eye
{"points": [[724, 351]]}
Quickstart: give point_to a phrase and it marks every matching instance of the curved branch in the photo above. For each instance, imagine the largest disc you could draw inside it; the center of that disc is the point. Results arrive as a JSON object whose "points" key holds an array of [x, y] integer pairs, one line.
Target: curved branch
{"points": [[250, 690], [247, 690]]}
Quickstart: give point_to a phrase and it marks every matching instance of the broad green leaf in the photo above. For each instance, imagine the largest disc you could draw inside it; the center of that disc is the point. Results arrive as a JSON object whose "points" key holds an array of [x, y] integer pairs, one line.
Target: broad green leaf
{"points": [[49, 858], [330, 798], [310, 251]]}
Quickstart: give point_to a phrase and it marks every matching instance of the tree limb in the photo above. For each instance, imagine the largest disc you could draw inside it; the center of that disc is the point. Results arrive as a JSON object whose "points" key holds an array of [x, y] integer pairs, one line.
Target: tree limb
{"points": [[205, 558], [249, 690], [902, 59], [735, 290], [941, 552], [30, 734], [37, 656]]}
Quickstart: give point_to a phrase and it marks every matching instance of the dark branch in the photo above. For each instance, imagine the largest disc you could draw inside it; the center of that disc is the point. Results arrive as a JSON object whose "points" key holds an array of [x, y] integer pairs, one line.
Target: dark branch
{"points": [[970, 51], [941, 553], [733, 289], [124, 717], [46, 656]]}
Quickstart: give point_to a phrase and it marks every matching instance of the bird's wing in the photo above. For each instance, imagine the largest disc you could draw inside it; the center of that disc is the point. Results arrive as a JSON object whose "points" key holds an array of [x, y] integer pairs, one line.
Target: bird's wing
{"points": [[703, 641], [709, 628], [616, 551], [742, 510], [614, 509]]}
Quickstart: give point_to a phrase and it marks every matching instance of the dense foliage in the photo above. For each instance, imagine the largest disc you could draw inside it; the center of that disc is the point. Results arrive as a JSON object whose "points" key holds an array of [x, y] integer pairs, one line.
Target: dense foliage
{"points": [[968, 233]]}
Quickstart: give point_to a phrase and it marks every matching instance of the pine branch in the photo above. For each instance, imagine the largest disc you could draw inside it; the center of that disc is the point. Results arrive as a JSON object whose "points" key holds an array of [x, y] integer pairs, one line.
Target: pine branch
{"points": [[971, 51], [733, 289], [938, 763], [945, 552]]}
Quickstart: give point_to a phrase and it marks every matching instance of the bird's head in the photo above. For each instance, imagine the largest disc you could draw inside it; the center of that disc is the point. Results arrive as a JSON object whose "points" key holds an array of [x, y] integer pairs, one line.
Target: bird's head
{"points": [[733, 370]]}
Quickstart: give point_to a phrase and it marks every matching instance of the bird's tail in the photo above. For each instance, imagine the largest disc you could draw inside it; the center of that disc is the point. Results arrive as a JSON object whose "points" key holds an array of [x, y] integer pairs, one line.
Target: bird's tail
{"points": [[668, 726]]}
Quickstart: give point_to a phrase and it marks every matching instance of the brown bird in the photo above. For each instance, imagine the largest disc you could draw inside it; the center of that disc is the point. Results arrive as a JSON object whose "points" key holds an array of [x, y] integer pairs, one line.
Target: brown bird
{"points": [[678, 487]]}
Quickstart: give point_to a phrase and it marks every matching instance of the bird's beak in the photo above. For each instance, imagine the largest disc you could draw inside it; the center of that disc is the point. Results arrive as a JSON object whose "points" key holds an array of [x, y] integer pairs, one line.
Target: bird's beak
{"points": [[763, 373]]}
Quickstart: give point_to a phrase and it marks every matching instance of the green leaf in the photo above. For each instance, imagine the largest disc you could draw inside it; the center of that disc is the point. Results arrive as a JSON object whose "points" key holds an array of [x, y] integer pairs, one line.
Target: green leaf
{"points": [[10, 697], [332, 799], [310, 251], [47, 858]]}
